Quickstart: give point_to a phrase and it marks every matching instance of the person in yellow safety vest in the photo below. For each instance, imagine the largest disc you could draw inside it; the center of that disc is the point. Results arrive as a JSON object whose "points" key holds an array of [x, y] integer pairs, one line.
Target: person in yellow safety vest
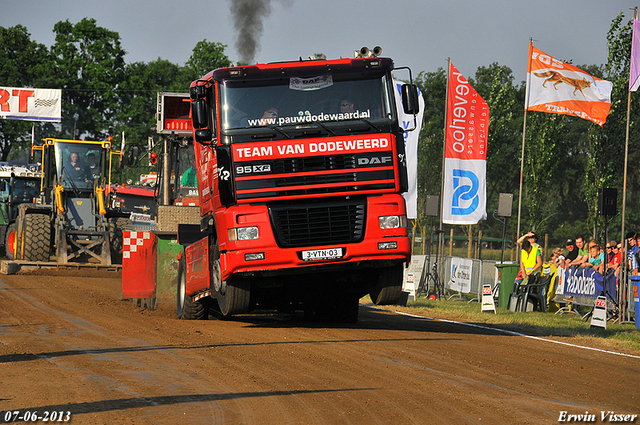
{"points": [[530, 260], [533, 238]]}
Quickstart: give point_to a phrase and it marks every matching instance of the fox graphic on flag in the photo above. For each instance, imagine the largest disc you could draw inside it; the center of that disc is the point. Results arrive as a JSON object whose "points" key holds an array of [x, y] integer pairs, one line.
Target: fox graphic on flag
{"points": [[559, 88]]}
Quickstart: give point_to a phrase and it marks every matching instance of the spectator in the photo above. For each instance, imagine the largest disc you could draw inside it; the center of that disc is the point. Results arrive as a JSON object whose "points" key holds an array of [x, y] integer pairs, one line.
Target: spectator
{"points": [[530, 260], [572, 254], [533, 239], [557, 257], [614, 257], [583, 252], [632, 259], [596, 258]]}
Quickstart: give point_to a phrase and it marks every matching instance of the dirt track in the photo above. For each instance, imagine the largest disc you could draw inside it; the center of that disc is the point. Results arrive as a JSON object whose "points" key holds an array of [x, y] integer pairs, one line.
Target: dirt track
{"points": [[69, 344]]}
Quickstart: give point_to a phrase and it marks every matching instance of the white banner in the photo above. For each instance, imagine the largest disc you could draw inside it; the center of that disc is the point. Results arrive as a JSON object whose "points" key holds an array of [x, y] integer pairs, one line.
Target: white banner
{"points": [[464, 191], [411, 149], [30, 104], [461, 274]]}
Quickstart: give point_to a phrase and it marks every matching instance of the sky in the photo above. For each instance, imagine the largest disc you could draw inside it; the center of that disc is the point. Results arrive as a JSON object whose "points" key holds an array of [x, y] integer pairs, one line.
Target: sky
{"points": [[420, 34]]}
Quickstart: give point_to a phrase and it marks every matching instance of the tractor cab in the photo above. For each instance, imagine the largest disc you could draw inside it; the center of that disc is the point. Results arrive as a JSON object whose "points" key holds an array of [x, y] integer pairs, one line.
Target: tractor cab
{"points": [[79, 165]]}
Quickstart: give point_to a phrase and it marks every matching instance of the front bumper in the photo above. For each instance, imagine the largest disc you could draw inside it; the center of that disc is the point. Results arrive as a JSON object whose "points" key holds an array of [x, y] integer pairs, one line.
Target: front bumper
{"points": [[264, 256]]}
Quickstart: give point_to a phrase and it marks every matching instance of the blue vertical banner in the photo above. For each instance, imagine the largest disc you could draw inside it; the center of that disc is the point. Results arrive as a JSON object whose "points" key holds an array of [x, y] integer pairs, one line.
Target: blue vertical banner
{"points": [[465, 163]]}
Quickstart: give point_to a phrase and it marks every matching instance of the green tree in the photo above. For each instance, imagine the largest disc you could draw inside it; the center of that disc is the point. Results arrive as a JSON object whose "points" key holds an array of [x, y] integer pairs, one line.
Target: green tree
{"points": [[543, 157], [136, 117], [433, 86], [90, 67], [23, 63], [614, 130], [205, 57], [495, 84]]}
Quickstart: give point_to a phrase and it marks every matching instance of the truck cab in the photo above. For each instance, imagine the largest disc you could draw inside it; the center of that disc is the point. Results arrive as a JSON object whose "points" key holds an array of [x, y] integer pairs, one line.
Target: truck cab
{"points": [[301, 167]]}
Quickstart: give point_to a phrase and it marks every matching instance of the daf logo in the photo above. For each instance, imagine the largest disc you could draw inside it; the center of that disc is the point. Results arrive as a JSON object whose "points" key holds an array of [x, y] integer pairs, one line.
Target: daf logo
{"points": [[374, 160]]}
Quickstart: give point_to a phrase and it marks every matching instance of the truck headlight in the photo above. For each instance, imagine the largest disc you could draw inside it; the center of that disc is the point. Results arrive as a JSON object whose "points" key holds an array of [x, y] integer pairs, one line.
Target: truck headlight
{"points": [[393, 221], [244, 233]]}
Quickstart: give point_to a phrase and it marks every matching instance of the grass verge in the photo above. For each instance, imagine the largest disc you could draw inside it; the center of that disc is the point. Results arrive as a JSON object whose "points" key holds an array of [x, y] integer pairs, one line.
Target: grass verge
{"points": [[619, 337]]}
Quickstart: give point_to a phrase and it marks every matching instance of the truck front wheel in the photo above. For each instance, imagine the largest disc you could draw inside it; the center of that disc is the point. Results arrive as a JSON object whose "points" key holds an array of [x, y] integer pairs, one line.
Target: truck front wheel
{"points": [[232, 294], [388, 288], [186, 308]]}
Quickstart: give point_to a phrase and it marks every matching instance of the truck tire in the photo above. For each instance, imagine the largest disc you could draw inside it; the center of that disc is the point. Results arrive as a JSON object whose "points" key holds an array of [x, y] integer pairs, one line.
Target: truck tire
{"points": [[116, 229], [35, 240], [233, 294], [10, 242], [186, 308], [388, 287]]}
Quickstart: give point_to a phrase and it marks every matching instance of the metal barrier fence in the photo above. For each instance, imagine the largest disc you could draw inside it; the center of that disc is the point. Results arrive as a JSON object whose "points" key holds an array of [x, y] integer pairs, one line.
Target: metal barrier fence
{"points": [[482, 272]]}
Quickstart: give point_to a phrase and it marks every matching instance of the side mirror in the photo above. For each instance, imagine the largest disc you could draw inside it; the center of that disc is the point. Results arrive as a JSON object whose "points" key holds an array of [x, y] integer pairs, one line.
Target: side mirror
{"points": [[203, 136], [410, 99], [199, 114]]}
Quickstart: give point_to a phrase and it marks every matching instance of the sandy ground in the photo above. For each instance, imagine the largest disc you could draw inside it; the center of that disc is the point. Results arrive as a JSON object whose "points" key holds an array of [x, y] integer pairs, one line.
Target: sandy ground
{"points": [[69, 345]]}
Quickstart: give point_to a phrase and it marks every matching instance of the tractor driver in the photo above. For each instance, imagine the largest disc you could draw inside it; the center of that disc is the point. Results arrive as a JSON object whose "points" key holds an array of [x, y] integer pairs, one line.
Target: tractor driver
{"points": [[75, 169]]}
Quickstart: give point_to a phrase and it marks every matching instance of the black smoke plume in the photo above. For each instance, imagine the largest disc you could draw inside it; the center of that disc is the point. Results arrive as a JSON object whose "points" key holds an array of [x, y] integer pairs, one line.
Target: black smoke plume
{"points": [[248, 16]]}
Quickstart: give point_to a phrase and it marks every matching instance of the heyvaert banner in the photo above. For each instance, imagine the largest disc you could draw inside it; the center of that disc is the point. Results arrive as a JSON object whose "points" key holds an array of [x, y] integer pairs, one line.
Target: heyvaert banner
{"points": [[465, 168], [410, 149], [30, 104]]}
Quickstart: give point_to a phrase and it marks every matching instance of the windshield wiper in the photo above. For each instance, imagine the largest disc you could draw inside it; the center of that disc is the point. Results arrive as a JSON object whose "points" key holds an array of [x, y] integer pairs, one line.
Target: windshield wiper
{"points": [[279, 130], [371, 124], [325, 127]]}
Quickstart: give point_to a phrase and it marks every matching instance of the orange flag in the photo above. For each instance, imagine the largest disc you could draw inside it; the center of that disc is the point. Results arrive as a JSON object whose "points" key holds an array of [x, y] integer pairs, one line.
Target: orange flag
{"points": [[559, 88]]}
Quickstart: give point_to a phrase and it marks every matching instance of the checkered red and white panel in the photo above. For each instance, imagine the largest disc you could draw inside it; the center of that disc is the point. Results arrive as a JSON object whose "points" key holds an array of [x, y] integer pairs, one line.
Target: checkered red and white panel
{"points": [[135, 241]]}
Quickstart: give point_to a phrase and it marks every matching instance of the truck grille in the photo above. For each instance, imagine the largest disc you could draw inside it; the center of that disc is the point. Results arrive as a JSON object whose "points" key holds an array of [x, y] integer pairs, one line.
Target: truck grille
{"points": [[321, 175], [316, 224], [314, 163]]}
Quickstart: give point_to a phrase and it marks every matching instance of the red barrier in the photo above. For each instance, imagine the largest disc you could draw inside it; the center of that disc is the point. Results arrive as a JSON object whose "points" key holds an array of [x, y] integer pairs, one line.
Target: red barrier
{"points": [[139, 252]]}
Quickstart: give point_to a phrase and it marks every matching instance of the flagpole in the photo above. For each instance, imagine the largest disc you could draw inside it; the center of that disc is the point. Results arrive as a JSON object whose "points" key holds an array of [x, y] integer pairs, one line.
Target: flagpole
{"points": [[444, 142], [524, 134], [444, 151], [623, 309]]}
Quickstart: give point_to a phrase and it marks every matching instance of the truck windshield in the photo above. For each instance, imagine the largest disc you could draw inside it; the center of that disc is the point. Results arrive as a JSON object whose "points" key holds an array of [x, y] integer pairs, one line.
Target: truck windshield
{"points": [[77, 164], [328, 100]]}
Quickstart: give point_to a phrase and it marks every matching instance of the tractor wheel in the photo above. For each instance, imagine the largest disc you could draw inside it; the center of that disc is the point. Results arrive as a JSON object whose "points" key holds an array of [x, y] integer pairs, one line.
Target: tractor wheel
{"points": [[116, 229], [388, 288], [232, 294], [35, 240], [10, 242], [186, 308]]}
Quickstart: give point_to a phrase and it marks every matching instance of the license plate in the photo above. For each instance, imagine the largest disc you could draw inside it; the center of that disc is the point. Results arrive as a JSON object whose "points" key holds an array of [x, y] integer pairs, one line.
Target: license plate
{"points": [[322, 254]]}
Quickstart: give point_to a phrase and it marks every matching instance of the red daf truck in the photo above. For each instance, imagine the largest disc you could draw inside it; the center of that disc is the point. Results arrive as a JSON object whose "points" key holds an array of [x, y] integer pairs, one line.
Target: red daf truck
{"points": [[300, 170]]}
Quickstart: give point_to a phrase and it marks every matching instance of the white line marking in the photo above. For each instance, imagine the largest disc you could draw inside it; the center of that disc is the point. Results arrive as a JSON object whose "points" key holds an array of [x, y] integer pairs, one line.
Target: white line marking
{"points": [[507, 332]]}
